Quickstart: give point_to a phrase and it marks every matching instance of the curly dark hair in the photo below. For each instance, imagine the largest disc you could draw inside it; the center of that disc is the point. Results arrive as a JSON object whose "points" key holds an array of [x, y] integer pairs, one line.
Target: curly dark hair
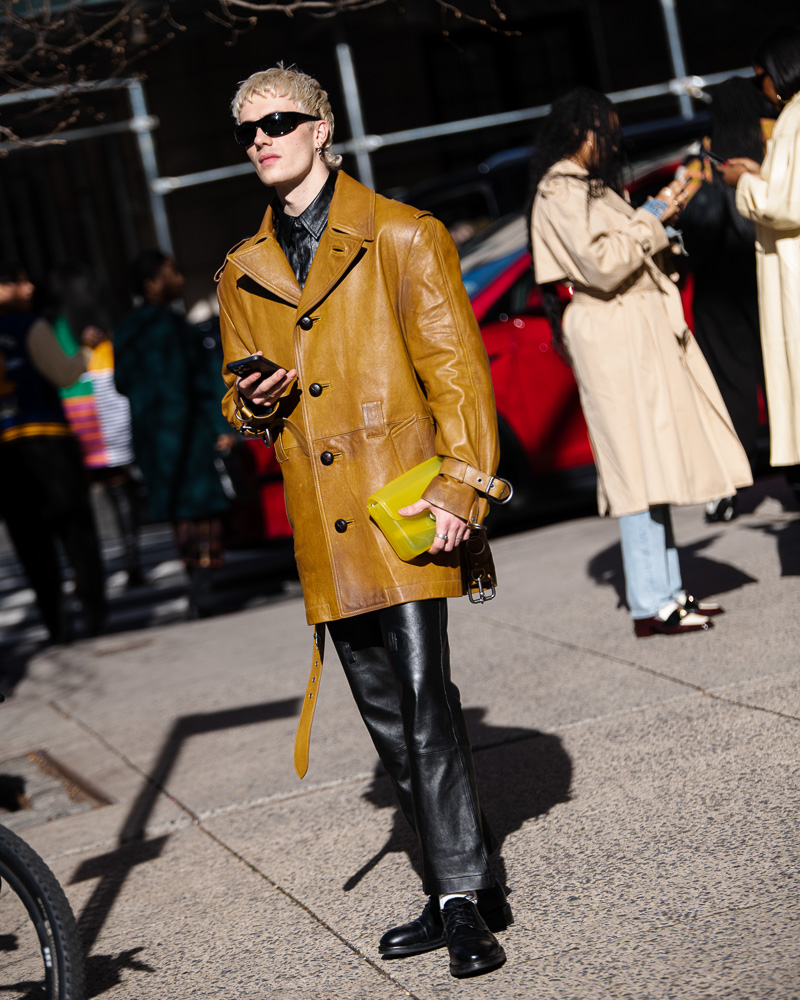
{"points": [[561, 134]]}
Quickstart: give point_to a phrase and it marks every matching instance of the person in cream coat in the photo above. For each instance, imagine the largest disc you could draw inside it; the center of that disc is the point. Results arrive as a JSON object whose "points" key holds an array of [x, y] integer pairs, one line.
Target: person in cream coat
{"points": [[769, 194], [659, 430]]}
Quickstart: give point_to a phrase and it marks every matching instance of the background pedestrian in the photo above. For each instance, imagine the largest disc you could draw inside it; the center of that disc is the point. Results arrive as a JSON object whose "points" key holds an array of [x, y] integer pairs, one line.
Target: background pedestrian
{"points": [[173, 386], [98, 414], [769, 195], [659, 429], [720, 247], [44, 497]]}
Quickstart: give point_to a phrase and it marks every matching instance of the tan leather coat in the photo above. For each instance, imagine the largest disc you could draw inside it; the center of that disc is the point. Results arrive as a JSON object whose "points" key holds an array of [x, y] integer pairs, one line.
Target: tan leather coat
{"points": [[391, 370], [659, 430]]}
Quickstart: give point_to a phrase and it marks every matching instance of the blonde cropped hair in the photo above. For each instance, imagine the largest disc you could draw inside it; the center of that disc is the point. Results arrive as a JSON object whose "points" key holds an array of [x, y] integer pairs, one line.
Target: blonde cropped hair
{"points": [[300, 88]]}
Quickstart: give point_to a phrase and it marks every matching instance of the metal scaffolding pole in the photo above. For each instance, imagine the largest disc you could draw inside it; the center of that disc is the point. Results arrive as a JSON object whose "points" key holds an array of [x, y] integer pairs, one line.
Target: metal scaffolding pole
{"points": [[142, 128], [676, 52], [352, 102], [141, 124]]}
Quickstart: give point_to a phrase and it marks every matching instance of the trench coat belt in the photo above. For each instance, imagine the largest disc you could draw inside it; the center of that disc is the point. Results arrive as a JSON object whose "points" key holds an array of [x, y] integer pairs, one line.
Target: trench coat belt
{"points": [[302, 740], [493, 487]]}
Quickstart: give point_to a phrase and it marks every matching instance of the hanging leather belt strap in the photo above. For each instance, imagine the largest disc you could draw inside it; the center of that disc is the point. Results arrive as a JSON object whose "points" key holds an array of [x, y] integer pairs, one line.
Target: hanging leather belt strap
{"points": [[302, 740], [297, 434], [494, 488]]}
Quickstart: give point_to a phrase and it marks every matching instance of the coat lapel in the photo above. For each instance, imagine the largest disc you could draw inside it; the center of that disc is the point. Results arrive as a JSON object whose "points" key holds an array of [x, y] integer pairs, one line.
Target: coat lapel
{"points": [[263, 260], [351, 223]]}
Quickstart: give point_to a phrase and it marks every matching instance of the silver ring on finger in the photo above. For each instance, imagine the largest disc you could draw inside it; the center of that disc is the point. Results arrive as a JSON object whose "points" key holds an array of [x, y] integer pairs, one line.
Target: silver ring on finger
{"points": [[443, 537]]}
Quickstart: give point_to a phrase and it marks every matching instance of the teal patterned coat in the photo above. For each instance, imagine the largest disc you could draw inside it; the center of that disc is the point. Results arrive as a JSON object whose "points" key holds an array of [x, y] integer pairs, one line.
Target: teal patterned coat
{"points": [[173, 382]]}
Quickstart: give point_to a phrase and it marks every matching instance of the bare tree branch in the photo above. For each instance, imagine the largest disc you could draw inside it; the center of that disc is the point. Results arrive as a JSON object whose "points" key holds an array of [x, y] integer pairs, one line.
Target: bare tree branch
{"points": [[65, 48], [329, 8]]}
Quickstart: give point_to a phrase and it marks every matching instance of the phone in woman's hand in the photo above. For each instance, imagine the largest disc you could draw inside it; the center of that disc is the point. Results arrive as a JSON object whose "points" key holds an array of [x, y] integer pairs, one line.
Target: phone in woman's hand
{"points": [[714, 158]]}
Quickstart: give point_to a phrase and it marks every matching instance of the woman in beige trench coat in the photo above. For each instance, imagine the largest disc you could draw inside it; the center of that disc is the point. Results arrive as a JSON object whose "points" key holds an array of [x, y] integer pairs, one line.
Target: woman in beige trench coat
{"points": [[659, 429], [769, 194]]}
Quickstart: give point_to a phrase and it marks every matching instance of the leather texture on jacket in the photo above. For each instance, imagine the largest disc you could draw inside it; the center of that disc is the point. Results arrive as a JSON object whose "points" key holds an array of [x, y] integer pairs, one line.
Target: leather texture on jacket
{"points": [[391, 370]]}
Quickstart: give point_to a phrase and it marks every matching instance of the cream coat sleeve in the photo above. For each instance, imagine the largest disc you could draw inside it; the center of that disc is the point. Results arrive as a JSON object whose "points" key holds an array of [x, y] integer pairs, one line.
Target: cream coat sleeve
{"points": [[592, 245], [774, 198]]}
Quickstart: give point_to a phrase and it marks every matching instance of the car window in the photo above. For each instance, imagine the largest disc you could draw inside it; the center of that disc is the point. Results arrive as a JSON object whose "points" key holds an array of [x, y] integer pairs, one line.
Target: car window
{"points": [[521, 299]]}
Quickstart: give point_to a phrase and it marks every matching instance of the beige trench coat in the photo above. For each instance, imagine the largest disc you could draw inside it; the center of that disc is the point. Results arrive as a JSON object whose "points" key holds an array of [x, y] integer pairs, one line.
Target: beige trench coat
{"points": [[659, 429], [772, 201], [391, 370]]}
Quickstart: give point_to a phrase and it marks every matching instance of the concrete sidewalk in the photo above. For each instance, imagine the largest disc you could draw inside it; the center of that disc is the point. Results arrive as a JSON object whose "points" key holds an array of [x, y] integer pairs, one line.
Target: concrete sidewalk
{"points": [[645, 792]]}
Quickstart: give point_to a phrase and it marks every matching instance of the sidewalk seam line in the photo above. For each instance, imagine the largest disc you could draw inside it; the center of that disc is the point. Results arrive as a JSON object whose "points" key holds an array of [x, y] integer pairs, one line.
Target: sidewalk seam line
{"points": [[254, 868], [198, 823], [508, 626]]}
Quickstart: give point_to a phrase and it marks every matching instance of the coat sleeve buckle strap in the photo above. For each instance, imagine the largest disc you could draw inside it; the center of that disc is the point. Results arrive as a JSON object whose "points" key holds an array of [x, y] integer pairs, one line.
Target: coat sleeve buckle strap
{"points": [[494, 487]]}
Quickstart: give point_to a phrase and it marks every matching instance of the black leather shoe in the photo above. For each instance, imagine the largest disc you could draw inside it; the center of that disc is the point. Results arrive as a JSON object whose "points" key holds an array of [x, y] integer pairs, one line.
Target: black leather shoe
{"points": [[472, 946], [423, 934], [426, 933]]}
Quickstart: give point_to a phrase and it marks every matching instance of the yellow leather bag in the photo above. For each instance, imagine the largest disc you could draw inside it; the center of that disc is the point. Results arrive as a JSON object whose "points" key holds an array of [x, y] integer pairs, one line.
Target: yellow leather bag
{"points": [[408, 536]]}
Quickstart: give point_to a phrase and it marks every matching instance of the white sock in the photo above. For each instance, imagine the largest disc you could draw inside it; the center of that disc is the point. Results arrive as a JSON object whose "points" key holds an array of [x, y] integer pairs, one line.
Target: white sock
{"points": [[471, 896]]}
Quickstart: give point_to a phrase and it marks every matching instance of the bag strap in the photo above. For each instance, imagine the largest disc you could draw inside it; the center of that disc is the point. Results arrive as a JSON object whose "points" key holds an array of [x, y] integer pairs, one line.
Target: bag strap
{"points": [[495, 488], [302, 741], [479, 565]]}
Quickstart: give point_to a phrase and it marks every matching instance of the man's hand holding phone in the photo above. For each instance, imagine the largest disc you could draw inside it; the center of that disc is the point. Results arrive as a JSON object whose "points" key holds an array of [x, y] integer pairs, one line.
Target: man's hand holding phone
{"points": [[261, 381]]}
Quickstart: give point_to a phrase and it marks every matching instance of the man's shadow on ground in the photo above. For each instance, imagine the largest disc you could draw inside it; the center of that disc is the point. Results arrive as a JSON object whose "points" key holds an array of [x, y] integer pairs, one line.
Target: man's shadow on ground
{"points": [[521, 774]]}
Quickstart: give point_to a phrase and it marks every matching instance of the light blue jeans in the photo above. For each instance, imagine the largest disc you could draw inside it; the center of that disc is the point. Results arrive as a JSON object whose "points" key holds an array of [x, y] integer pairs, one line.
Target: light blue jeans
{"points": [[650, 561]]}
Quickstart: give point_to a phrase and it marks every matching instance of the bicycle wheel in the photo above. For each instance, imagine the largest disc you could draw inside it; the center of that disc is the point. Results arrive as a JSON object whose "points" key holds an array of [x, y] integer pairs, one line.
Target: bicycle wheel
{"points": [[40, 948]]}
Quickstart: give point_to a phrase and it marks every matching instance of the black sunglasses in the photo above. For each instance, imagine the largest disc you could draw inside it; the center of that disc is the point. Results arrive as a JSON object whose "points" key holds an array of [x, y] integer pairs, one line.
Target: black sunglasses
{"points": [[278, 123]]}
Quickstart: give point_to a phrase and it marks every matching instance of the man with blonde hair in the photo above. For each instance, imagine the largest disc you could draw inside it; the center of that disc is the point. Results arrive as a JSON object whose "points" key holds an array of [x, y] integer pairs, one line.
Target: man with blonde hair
{"points": [[360, 301]]}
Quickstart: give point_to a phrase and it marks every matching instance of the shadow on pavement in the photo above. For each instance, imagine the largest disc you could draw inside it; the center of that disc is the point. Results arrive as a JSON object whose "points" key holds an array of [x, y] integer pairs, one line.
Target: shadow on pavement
{"points": [[111, 870], [701, 576], [15, 659], [521, 773], [787, 539]]}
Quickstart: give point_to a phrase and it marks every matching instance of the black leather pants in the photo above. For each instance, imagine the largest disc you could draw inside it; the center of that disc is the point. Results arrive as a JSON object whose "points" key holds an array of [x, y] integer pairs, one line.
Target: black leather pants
{"points": [[397, 662]]}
